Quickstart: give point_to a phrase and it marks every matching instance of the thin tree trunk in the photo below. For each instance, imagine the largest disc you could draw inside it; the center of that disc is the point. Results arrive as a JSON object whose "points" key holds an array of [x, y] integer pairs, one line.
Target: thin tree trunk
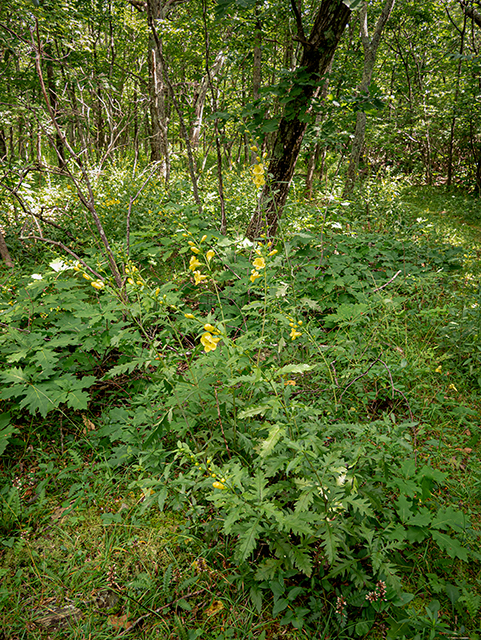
{"points": [[370, 47], [318, 50], [202, 94], [4, 251]]}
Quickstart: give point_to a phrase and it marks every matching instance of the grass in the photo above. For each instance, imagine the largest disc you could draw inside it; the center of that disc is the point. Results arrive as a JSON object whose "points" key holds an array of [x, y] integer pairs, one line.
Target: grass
{"points": [[76, 531]]}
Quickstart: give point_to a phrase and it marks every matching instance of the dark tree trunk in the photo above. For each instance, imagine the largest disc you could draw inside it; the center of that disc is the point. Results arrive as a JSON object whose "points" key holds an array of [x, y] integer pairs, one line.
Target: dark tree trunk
{"points": [[318, 50]]}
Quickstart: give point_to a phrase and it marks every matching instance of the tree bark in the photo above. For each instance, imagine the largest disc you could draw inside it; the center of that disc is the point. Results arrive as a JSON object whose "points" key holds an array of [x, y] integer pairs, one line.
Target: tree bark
{"points": [[159, 144], [4, 251], [318, 50], [370, 47], [201, 97]]}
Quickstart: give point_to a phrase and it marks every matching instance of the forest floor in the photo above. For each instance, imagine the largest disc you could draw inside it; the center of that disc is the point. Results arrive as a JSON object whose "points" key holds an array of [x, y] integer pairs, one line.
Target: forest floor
{"points": [[82, 557]]}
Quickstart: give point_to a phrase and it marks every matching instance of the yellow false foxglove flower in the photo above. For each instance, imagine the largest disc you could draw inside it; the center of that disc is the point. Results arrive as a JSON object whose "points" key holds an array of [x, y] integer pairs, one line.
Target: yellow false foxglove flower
{"points": [[295, 334], [204, 237], [254, 149], [259, 263], [199, 277], [194, 263], [218, 485], [258, 169], [272, 253], [209, 342], [209, 255], [189, 315], [98, 284], [190, 243], [195, 250], [130, 280], [254, 275], [86, 276], [439, 369]]}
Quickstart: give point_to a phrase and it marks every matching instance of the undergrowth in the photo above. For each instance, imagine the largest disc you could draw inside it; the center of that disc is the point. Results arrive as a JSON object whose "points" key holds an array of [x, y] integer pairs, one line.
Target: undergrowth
{"points": [[252, 440]]}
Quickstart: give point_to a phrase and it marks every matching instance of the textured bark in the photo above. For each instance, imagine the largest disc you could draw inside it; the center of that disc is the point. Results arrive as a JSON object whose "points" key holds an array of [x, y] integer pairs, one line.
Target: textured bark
{"points": [[370, 47], [4, 251], [159, 145], [318, 51], [202, 95]]}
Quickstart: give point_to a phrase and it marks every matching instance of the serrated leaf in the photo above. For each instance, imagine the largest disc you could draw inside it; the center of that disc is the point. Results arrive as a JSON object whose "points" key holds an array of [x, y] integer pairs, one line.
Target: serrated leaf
{"points": [[260, 410], [37, 398], [248, 539], [449, 517], [267, 445], [422, 518], [293, 368], [6, 431], [453, 547], [301, 560], [330, 543]]}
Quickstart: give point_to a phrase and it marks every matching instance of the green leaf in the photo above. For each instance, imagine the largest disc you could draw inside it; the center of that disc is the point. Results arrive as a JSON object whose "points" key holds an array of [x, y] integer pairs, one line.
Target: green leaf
{"points": [[293, 368], [453, 548], [6, 431], [254, 411], [248, 539], [450, 517], [330, 543], [302, 560], [275, 434]]}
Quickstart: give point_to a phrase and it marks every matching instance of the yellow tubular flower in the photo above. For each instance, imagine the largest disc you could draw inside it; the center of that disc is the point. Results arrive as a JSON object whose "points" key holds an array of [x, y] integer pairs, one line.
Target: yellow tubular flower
{"points": [[209, 255], [254, 275], [295, 334], [272, 253], [189, 315], [209, 327], [97, 284], [199, 277], [209, 342], [194, 263], [130, 280], [204, 237], [218, 485], [86, 276], [259, 263], [254, 149], [195, 250], [190, 243], [258, 169]]}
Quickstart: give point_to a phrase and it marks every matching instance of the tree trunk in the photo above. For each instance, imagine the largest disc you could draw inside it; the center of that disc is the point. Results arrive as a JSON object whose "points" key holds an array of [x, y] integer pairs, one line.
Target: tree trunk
{"points": [[159, 144], [201, 97], [318, 51], [4, 251], [370, 47]]}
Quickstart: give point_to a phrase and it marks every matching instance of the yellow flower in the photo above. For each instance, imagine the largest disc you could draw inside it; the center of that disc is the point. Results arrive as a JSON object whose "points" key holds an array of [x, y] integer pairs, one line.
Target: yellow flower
{"points": [[199, 277], [209, 255], [451, 386], [209, 341], [189, 315], [194, 263], [439, 369], [218, 485], [254, 275], [291, 383], [86, 276], [130, 280], [195, 250], [192, 244], [204, 237], [97, 284], [295, 334], [258, 169], [272, 253], [254, 149], [259, 181], [259, 263], [209, 327], [157, 291]]}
